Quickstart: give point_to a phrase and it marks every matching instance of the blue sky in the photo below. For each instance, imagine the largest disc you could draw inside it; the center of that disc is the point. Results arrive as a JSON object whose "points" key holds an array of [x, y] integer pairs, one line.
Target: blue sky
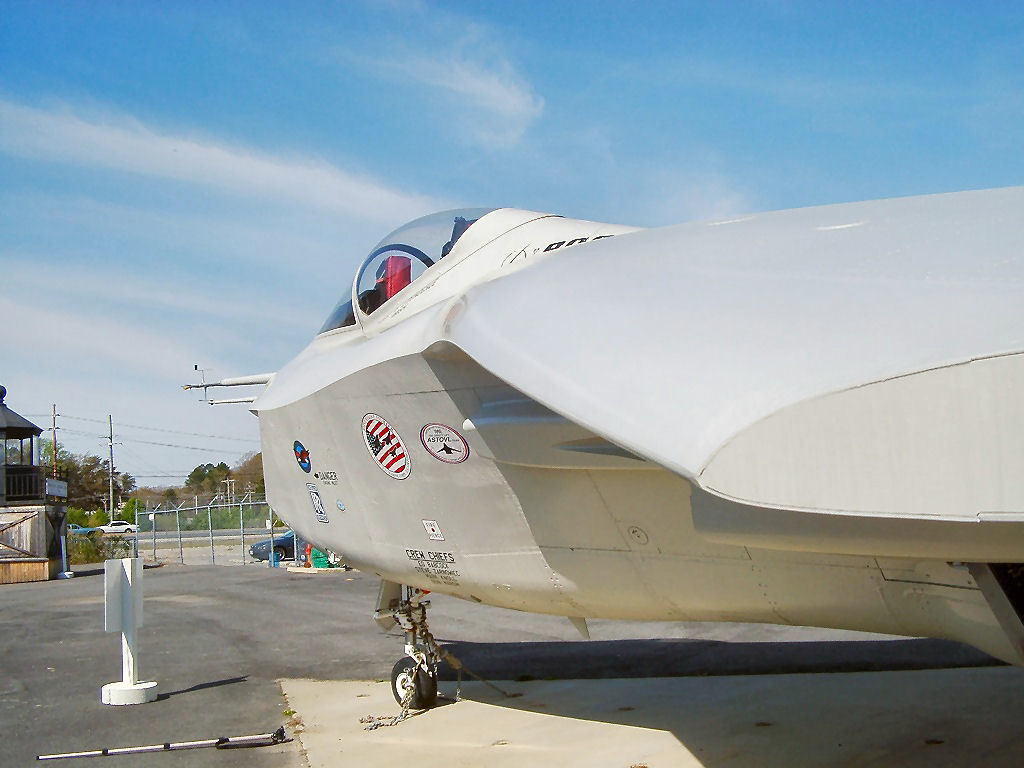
{"points": [[187, 183]]}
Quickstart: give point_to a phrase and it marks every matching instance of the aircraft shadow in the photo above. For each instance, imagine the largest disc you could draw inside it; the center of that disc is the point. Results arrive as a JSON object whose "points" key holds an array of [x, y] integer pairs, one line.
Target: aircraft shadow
{"points": [[680, 657], [772, 705]]}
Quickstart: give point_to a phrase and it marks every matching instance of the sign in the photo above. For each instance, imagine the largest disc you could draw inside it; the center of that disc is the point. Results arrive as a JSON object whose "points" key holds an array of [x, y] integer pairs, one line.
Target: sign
{"points": [[56, 488], [122, 594]]}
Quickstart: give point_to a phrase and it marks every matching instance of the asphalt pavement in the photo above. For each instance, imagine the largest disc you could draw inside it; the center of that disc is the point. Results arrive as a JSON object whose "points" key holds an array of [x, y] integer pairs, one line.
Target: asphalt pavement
{"points": [[219, 641]]}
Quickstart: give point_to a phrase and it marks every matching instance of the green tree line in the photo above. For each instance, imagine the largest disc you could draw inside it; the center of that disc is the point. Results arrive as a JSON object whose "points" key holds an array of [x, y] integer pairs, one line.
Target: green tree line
{"points": [[88, 487]]}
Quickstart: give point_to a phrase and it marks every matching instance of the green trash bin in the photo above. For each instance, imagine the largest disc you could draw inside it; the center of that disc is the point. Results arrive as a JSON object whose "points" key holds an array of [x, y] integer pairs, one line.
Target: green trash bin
{"points": [[320, 559]]}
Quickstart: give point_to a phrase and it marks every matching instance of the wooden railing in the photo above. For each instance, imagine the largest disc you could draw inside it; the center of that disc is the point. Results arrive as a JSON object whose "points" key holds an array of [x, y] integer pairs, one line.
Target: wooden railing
{"points": [[23, 483]]}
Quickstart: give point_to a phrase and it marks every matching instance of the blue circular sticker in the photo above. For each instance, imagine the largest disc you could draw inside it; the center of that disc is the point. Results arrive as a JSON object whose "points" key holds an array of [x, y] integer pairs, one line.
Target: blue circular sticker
{"points": [[302, 456]]}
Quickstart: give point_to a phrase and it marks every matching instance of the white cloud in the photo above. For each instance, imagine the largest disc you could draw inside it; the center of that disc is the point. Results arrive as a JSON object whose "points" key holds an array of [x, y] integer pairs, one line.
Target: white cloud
{"points": [[121, 143], [467, 75], [493, 101], [73, 335], [671, 198], [27, 274]]}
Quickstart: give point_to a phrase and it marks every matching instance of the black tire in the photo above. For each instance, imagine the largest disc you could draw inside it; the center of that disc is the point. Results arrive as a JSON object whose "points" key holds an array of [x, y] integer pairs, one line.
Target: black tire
{"points": [[279, 554], [424, 684]]}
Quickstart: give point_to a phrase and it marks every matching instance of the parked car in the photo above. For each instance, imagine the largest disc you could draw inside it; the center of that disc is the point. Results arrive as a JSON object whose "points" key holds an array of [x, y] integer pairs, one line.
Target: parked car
{"points": [[75, 528], [284, 547], [118, 526]]}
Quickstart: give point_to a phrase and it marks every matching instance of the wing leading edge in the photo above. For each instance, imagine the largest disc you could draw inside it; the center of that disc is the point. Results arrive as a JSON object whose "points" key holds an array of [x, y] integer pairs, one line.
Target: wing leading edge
{"points": [[835, 379]]}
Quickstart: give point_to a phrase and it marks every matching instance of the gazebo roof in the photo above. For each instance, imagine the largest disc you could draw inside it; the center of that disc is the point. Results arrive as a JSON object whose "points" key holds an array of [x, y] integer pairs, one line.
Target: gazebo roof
{"points": [[13, 425]]}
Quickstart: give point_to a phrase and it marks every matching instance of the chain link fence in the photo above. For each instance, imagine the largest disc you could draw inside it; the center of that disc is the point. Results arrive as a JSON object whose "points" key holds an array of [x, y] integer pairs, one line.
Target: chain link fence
{"points": [[196, 531]]}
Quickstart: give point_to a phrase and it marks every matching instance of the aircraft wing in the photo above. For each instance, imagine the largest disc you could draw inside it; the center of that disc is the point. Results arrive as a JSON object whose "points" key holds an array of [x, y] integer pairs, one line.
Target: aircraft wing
{"points": [[845, 378]]}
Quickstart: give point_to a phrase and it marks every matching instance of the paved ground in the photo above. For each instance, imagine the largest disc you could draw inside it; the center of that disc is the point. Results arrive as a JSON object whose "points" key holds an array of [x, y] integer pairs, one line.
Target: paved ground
{"points": [[220, 641], [906, 719]]}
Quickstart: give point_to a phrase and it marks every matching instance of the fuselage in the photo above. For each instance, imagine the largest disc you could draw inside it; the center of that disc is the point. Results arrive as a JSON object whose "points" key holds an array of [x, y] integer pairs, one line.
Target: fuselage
{"points": [[387, 441]]}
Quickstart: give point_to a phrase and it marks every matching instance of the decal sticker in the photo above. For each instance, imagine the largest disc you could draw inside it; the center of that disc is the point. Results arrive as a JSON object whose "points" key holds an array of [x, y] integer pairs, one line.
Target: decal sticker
{"points": [[327, 478], [302, 456], [512, 259], [444, 443], [560, 243], [439, 567], [433, 530], [385, 446], [341, 505], [318, 505]]}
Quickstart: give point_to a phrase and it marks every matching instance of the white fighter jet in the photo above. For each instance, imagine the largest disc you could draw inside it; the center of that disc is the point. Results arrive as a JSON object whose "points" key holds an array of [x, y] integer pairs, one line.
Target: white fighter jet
{"points": [[806, 417]]}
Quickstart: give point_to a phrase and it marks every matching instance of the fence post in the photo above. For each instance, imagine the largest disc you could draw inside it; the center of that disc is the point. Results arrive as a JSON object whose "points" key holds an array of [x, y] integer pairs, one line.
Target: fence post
{"points": [[209, 522], [177, 523], [154, 534], [241, 529], [272, 560]]}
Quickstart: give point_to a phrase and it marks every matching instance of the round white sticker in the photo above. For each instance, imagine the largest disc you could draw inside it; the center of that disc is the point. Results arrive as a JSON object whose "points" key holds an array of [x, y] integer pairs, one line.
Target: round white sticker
{"points": [[385, 446], [444, 443]]}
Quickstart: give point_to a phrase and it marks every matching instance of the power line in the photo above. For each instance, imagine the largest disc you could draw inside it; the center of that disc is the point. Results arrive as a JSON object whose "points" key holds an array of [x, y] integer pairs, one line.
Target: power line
{"points": [[147, 442], [150, 429]]}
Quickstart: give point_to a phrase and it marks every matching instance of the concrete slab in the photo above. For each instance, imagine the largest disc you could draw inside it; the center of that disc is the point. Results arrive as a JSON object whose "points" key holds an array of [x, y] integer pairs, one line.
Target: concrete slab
{"points": [[930, 718]]}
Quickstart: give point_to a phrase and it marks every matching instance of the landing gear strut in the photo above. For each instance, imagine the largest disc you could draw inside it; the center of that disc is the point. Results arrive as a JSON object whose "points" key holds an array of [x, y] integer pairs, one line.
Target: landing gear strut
{"points": [[414, 677]]}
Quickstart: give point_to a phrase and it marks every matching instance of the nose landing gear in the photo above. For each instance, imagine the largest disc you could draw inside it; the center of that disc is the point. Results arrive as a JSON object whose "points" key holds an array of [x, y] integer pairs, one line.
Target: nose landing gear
{"points": [[414, 677]]}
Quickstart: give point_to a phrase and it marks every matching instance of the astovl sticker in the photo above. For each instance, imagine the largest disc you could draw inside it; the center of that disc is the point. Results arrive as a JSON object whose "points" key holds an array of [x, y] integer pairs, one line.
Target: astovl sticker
{"points": [[444, 443], [385, 446]]}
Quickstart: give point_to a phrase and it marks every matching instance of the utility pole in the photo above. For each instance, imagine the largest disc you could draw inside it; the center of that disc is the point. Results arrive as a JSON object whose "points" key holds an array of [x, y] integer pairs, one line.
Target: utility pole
{"points": [[111, 439], [53, 429]]}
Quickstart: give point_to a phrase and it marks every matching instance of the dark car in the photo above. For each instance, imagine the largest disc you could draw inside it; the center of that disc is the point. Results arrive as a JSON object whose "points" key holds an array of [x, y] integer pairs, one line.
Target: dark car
{"points": [[284, 547]]}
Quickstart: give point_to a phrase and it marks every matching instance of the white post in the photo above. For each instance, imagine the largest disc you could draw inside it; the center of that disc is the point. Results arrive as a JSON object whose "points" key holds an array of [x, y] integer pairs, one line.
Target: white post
{"points": [[122, 612]]}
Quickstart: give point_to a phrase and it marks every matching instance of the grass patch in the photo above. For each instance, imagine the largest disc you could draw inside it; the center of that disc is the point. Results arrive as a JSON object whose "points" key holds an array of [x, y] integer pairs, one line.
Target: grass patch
{"points": [[93, 548]]}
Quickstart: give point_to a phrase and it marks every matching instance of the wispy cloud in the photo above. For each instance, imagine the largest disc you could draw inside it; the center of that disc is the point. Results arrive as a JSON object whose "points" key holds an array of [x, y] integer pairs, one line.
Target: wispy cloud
{"points": [[119, 142], [702, 199], [72, 336], [135, 297], [467, 73], [491, 100]]}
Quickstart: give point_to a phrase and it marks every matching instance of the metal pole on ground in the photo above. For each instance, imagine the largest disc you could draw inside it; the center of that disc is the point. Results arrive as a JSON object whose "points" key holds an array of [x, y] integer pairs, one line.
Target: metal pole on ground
{"points": [[241, 530], [272, 560], [154, 534], [177, 523], [209, 522], [65, 574]]}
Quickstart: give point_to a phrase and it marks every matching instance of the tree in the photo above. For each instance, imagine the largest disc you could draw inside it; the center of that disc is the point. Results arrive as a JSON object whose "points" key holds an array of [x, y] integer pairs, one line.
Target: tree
{"points": [[64, 456], [88, 477], [133, 508], [196, 477], [249, 474]]}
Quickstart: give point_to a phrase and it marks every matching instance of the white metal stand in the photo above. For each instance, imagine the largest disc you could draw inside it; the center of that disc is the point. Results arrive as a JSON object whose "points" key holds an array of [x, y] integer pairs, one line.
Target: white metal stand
{"points": [[122, 591]]}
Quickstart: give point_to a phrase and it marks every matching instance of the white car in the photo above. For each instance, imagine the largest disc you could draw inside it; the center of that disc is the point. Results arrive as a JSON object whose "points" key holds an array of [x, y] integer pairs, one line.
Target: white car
{"points": [[119, 526]]}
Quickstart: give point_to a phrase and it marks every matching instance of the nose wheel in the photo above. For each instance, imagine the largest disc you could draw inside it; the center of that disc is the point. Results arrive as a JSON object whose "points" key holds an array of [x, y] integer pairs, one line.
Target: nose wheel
{"points": [[414, 676], [408, 679]]}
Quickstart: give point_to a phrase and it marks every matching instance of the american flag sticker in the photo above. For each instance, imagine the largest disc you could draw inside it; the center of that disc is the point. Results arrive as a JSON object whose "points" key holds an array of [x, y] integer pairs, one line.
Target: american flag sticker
{"points": [[385, 446]]}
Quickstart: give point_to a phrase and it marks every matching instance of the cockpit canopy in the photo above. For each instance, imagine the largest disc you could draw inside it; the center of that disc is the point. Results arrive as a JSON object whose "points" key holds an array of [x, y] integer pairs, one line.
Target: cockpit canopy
{"points": [[400, 258]]}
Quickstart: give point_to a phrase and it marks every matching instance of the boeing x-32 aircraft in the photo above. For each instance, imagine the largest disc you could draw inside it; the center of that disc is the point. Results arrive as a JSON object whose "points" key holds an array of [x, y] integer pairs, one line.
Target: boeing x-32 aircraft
{"points": [[807, 417]]}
